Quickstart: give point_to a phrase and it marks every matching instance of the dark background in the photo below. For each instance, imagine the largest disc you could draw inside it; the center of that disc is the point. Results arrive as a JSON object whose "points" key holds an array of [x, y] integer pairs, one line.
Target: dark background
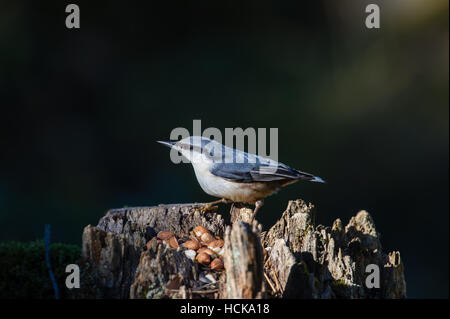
{"points": [[367, 110]]}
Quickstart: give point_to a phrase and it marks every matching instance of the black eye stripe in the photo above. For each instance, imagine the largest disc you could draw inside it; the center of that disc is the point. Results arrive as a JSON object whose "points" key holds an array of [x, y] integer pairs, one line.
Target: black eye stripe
{"points": [[196, 148], [189, 147]]}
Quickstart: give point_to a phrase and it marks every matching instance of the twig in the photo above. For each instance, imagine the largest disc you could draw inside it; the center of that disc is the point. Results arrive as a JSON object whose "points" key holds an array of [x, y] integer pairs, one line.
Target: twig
{"points": [[47, 259], [276, 278], [270, 283], [207, 285], [211, 291], [276, 281]]}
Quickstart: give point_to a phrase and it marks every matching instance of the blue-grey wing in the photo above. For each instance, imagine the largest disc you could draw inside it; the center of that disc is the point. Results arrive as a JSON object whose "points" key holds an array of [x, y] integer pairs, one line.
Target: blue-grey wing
{"points": [[257, 172], [238, 172]]}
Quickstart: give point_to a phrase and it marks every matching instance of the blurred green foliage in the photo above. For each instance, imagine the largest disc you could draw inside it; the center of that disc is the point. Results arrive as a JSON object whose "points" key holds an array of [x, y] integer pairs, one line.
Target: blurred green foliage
{"points": [[24, 273]]}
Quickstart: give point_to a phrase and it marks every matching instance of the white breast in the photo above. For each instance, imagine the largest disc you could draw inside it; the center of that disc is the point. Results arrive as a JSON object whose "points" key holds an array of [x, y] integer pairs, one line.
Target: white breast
{"points": [[237, 192]]}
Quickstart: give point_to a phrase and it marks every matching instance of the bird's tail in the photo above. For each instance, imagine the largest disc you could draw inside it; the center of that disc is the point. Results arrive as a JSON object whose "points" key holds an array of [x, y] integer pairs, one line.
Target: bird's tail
{"points": [[317, 179], [309, 177]]}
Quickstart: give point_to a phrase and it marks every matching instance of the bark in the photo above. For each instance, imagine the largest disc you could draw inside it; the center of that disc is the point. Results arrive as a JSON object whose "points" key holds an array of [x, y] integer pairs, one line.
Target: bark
{"points": [[116, 253], [323, 262], [293, 259], [241, 212], [243, 261]]}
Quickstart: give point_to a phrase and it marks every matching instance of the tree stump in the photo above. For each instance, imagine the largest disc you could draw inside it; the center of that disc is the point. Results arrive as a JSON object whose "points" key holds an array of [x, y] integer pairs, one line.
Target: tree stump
{"points": [[123, 258], [118, 257], [319, 262]]}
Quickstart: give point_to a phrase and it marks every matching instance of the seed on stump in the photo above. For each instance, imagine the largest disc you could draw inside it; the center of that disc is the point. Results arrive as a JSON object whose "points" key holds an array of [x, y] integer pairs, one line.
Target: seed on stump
{"points": [[207, 238], [203, 258], [192, 244], [173, 242], [200, 230], [164, 235], [216, 264]]}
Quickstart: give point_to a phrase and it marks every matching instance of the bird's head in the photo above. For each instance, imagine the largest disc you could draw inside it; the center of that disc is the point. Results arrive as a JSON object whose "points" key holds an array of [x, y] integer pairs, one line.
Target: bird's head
{"points": [[197, 148]]}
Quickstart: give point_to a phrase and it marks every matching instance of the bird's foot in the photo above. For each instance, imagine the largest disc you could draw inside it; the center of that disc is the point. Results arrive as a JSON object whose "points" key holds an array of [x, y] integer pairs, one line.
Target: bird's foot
{"points": [[258, 205], [208, 208], [212, 206]]}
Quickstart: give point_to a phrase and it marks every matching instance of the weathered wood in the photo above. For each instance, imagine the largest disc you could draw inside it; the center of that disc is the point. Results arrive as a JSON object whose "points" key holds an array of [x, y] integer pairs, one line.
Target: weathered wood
{"points": [[241, 212], [243, 261], [319, 262], [293, 259], [161, 271], [113, 248]]}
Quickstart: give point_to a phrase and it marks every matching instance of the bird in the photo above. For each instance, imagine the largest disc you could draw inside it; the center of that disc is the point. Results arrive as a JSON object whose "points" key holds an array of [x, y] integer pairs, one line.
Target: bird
{"points": [[234, 175]]}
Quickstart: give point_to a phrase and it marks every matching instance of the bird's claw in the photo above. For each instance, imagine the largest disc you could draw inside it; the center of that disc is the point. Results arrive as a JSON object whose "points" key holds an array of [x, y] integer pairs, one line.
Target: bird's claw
{"points": [[208, 208]]}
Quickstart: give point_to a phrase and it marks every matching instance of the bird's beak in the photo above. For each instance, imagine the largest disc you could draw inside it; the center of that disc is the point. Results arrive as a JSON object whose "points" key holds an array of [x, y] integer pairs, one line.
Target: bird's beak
{"points": [[168, 144]]}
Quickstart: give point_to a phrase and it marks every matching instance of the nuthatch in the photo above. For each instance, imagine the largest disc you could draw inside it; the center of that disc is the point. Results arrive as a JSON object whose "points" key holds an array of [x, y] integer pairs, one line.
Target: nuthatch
{"points": [[234, 175]]}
